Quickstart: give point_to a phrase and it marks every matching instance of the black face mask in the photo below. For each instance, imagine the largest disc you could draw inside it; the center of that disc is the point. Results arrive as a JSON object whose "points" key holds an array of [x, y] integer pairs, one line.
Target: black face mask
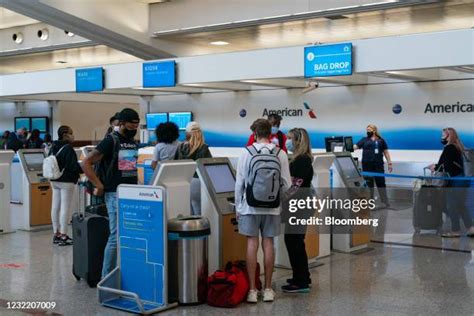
{"points": [[370, 134], [444, 141], [130, 133]]}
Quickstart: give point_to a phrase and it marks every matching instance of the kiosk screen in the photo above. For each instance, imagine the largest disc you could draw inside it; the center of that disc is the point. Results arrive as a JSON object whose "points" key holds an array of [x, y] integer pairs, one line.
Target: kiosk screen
{"points": [[34, 161], [221, 177], [349, 168]]}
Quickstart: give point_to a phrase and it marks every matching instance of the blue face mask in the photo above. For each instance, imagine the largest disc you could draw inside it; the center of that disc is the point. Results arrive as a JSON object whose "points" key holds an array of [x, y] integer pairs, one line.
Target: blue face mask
{"points": [[275, 129], [289, 145]]}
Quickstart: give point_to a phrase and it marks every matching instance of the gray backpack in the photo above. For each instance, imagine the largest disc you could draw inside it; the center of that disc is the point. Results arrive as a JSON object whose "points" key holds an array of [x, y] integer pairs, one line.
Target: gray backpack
{"points": [[264, 178]]}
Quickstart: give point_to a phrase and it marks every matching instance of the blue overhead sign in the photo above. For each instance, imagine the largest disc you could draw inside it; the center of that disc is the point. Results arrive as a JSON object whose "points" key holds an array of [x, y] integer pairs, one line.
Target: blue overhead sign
{"points": [[328, 60], [159, 74], [90, 79]]}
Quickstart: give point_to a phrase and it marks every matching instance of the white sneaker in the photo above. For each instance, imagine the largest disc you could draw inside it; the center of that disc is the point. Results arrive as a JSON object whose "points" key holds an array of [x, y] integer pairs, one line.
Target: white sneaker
{"points": [[252, 297], [268, 295]]}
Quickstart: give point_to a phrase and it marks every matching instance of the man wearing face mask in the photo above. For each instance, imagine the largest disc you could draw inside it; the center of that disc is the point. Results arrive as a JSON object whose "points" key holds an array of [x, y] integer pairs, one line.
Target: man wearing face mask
{"points": [[374, 148], [113, 124], [277, 137], [116, 156]]}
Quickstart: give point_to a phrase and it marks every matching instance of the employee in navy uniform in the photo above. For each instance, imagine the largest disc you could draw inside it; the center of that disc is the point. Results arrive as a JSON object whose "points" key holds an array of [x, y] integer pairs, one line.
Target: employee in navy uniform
{"points": [[277, 137], [374, 148], [117, 157]]}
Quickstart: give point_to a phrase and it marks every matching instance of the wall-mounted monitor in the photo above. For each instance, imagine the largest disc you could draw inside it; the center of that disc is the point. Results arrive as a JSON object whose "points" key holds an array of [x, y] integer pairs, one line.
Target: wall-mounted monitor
{"points": [[40, 123], [180, 118], [21, 122], [155, 119]]}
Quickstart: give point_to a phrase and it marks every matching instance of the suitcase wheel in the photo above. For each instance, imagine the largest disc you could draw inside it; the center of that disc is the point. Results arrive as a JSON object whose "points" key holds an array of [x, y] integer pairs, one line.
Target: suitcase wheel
{"points": [[76, 276], [92, 283]]}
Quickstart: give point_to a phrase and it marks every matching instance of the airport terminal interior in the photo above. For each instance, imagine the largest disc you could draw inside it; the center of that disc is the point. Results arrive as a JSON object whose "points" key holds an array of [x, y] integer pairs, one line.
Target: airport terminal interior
{"points": [[209, 157]]}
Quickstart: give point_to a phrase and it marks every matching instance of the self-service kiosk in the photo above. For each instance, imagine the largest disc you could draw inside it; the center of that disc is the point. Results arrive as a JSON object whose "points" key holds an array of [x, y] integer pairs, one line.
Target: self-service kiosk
{"points": [[322, 185], [176, 177], [6, 157], [37, 191], [349, 183], [218, 205]]}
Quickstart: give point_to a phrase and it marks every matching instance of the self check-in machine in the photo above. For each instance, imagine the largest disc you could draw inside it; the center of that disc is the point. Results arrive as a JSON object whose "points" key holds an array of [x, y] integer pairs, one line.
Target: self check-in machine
{"points": [[6, 157], [322, 183], [349, 183], [176, 177], [218, 205], [36, 190]]}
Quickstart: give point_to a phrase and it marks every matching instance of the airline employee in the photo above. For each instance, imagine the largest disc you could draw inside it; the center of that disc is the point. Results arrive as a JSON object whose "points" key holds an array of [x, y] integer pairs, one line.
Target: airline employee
{"points": [[277, 137], [374, 148]]}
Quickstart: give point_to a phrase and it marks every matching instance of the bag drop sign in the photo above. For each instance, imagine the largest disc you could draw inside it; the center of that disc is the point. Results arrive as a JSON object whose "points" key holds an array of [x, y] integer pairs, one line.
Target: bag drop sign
{"points": [[328, 60]]}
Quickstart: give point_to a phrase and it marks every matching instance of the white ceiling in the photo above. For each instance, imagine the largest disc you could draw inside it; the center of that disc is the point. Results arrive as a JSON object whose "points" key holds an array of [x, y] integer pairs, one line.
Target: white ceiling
{"points": [[10, 19]]}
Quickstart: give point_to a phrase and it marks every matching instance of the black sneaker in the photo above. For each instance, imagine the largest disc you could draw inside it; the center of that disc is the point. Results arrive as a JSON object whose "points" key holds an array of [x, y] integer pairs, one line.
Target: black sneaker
{"points": [[290, 281], [293, 288], [56, 239], [65, 240]]}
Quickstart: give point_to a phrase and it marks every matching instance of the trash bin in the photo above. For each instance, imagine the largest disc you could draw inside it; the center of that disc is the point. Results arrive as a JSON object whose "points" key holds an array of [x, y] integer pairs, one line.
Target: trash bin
{"points": [[188, 259]]}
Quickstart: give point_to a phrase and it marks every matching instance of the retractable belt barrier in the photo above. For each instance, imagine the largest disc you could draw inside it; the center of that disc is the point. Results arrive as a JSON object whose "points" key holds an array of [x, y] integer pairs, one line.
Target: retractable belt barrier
{"points": [[394, 175]]}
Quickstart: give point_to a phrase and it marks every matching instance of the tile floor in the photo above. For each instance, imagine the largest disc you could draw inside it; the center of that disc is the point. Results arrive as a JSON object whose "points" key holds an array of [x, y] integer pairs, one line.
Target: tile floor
{"points": [[389, 280]]}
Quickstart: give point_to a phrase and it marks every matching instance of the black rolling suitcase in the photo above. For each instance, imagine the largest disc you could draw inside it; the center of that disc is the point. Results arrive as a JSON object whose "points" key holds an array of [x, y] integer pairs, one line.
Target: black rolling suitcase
{"points": [[428, 204], [90, 235]]}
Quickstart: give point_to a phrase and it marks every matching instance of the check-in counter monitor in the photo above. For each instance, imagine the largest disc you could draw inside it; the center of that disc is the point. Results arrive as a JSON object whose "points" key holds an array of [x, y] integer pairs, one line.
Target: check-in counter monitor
{"points": [[6, 157], [349, 183], [37, 191], [175, 176], [218, 205]]}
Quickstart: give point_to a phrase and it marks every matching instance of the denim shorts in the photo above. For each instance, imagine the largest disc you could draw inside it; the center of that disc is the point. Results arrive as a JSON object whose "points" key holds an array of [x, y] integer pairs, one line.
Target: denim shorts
{"points": [[268, 225]]}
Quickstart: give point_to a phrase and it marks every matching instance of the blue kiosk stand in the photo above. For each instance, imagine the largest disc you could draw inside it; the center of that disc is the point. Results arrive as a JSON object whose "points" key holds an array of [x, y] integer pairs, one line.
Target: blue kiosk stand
{"points": [[139, 284]]}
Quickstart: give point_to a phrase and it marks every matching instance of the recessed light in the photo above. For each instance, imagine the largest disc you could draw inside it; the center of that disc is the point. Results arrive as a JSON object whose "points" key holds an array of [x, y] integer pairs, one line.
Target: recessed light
{"points": [[43, 34], [17, 37], [219, 43], [70, 34]]}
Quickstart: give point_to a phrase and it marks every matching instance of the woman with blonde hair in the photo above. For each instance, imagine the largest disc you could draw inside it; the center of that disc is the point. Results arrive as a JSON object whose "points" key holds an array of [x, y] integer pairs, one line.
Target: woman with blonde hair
{"points": [[374, 148], [301, 171], [194, 148], [451, 162]]}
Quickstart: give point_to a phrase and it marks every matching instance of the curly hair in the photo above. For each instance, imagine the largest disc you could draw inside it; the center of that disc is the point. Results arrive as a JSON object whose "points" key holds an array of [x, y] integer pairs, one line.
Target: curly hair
{"points": [[167, 132]]}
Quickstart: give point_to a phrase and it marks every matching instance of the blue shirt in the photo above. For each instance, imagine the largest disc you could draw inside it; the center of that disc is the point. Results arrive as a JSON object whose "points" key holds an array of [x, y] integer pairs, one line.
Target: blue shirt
{"points": [[372, 150]]}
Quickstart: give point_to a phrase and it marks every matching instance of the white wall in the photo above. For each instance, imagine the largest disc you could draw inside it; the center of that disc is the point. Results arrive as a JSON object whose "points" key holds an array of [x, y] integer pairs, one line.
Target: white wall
{"points": [[8, 112], [89, 120]]}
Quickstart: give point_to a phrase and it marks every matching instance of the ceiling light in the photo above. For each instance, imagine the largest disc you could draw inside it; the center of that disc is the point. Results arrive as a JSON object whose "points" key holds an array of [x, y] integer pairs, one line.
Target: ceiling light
{"points": [[18, 38], [70, 34], [219, 43], [43, 34]]}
